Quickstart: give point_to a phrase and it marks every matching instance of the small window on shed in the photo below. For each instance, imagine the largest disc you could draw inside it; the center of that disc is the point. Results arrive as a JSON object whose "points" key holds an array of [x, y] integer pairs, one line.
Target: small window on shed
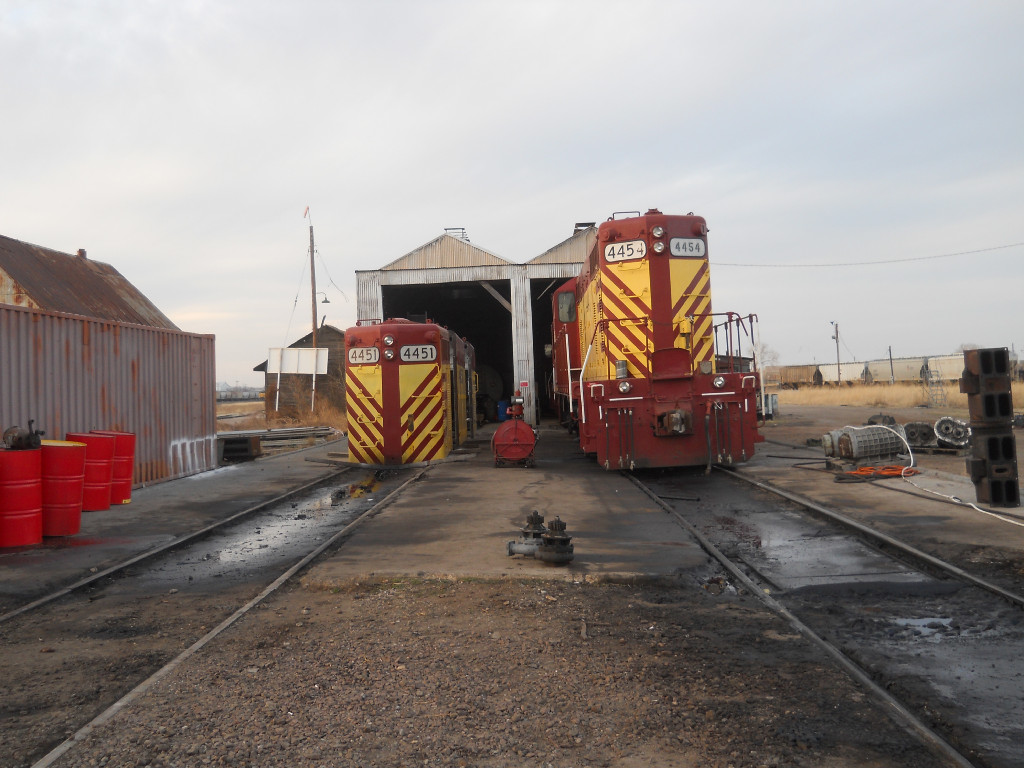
{"points": [[567, 307]]}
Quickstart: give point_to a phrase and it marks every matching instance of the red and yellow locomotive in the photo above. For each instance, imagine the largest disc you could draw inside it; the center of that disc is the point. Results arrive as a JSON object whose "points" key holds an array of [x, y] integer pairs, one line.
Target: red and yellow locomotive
{"points": [[410, 392], [634, 346]]}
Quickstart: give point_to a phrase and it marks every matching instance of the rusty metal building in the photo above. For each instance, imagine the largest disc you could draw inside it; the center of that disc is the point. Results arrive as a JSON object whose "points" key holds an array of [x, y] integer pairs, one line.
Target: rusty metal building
{"points": [[81, 348], [501, 307], [294, 399]]}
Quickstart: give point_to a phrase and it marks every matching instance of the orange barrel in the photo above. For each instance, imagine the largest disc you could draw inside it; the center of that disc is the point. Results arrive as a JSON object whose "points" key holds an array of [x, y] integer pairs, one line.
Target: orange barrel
{"points": [[21, 498], [63, 487], [99, 469], [124, 464]]}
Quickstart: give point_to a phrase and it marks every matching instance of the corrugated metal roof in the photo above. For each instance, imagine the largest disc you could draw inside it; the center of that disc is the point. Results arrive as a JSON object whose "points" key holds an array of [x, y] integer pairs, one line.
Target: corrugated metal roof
{"points": [[41, 278], [446, 251], [573, 250]]}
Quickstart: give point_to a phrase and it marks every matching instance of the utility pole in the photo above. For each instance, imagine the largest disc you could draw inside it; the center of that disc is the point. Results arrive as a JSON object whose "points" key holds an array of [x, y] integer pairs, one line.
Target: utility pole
{"points": [[839, 368], [892, 372], [312, 279]]}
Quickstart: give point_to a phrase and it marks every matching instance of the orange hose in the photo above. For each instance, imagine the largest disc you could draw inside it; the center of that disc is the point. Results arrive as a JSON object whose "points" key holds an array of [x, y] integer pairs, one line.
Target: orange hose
{"points": [[892, 470]]}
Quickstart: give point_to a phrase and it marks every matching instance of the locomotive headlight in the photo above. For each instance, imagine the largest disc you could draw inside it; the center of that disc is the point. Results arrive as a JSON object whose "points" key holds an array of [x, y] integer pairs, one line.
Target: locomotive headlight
{"points": [[625, 386], [719, 382], [389, 353], [389, 340], [658, 231], [659, 247]]}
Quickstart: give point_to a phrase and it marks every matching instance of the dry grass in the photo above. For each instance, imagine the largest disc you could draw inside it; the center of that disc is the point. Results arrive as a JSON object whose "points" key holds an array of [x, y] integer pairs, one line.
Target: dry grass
{"points": [[252, 415], [883, 395], [324, 415]]}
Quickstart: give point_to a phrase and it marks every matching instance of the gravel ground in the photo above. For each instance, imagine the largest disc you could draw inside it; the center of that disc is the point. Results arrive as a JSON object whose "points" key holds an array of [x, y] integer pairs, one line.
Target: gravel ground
{"points": [[505, 673]]}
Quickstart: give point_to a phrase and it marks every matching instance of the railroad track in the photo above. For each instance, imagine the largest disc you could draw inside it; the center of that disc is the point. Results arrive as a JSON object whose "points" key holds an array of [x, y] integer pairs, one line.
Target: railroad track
{"points": [[935, 645], [81, 654]]}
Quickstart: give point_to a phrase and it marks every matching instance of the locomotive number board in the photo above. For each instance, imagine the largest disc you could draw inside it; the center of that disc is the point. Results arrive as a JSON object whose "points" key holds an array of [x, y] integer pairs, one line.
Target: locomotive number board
{"points": [[625, 251], [687, 246], [361, 355], [417, 353]]}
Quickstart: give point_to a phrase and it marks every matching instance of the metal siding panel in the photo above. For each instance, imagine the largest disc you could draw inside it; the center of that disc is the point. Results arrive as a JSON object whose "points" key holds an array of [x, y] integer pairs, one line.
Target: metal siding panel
{"points": [[75, 374], [445, 252], [522, 340], [575, 250], [369, 303]]}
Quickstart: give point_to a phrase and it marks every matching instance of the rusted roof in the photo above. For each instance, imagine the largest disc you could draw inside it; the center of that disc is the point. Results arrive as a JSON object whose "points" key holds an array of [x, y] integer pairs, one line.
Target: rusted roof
{"points": [[41, 278]]}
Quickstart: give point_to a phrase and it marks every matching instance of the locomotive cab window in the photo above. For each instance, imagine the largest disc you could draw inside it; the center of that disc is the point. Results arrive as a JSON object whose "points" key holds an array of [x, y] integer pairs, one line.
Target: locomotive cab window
{"points": [[567, 307]]}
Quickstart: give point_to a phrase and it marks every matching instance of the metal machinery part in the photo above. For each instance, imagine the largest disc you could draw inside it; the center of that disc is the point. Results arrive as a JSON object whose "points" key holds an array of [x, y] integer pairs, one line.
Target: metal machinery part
{"points": [[530, 540], [551, 544], [830, 442], [920, 434], [953, 432], [856, 443], [555, 546], [20, 439]]}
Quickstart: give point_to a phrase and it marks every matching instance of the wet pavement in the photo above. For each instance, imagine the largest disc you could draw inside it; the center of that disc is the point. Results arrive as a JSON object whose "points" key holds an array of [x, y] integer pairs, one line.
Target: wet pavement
{"points": [[156, 516]]}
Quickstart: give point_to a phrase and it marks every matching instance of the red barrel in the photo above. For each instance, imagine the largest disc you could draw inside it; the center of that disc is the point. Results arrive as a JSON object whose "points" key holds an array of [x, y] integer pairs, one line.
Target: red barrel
{"points": [[63, 487], [99, 469], [124, 464], [21, 498]]}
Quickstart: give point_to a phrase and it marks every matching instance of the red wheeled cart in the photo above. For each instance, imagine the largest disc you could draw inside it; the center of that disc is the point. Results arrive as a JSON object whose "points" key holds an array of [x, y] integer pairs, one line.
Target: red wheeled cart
{"points": [[514, 441]]}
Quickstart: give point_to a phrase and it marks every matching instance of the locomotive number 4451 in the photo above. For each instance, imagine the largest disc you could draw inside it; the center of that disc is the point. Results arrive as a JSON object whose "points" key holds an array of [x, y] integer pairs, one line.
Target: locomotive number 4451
{"points": [[417, 353]]}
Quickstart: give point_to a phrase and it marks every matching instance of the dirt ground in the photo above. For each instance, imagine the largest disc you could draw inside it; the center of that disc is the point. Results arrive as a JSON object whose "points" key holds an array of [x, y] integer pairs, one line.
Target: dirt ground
{"points": [[497, 673], [506, 673]]}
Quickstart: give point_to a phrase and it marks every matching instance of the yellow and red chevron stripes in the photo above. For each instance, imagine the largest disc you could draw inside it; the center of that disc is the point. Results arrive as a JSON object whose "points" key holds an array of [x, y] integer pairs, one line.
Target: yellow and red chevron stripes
{"points": [[627, 318], [424, 433], [365, 414], [691, 293]]}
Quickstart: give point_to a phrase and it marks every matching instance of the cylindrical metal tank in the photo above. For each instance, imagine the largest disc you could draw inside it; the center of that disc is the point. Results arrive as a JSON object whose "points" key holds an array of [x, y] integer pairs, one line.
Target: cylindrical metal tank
{"points": [[21, 497], [99, 469], [63, 487], [513, 443], [123, 465]]}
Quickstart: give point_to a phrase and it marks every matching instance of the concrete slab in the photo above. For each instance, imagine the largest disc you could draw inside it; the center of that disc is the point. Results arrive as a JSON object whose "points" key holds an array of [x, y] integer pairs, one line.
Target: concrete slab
{"points": [[456, 521]]}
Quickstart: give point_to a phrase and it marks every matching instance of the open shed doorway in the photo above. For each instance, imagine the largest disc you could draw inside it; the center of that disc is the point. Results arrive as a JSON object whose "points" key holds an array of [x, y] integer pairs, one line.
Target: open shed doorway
{"points": [[471, 311]]}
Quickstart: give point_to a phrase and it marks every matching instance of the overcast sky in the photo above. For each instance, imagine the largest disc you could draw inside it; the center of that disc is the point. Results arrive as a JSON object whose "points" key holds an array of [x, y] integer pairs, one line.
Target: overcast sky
{"points": [[181, 142]]}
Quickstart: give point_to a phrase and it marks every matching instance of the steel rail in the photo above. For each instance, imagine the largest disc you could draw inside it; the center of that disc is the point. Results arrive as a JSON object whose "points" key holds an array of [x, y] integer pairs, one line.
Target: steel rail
{"points": [[893, 707], [86, 730], [959, 573], [188, 538]]}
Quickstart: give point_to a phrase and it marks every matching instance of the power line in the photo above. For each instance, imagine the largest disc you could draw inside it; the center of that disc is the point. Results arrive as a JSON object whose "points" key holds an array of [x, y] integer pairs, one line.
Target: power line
{"points": [[870, 263]]}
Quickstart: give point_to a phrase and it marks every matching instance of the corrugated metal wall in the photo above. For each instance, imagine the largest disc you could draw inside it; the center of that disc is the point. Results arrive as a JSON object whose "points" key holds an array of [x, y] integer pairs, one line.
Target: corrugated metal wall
{"points": [[73, 374]]}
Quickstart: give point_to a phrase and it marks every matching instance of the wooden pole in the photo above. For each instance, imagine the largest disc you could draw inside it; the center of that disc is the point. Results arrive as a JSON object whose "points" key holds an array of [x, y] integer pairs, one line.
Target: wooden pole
{"points": [[312, 282]]}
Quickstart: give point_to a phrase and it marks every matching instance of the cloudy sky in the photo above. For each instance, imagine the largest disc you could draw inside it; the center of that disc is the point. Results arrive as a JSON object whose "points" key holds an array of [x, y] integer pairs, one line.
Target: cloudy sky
{"points": [[859, 163]]}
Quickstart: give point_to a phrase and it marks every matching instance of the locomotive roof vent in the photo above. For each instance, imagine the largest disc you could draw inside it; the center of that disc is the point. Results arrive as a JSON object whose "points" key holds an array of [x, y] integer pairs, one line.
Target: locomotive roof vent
{"points": [[582, 225]]}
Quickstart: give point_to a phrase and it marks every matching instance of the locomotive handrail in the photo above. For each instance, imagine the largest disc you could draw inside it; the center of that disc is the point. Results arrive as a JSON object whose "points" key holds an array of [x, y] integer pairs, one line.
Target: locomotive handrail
{"points": [[568, 370], [583, 410]]}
